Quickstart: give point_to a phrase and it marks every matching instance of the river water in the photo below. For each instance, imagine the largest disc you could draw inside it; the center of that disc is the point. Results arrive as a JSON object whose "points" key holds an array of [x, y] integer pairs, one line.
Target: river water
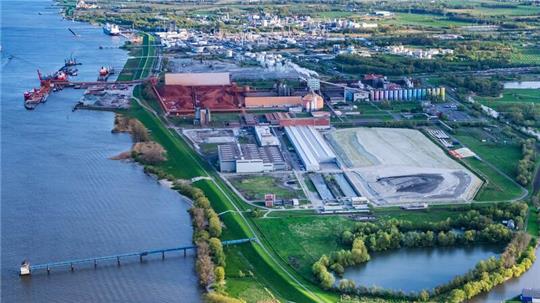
{"points": [[62, 198]]}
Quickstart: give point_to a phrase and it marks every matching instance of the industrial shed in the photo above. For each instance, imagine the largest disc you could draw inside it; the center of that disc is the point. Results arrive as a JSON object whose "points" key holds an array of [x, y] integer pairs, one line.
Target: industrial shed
{"points": [[198, 79], [250, 158], [310, 146], [273, 101]]}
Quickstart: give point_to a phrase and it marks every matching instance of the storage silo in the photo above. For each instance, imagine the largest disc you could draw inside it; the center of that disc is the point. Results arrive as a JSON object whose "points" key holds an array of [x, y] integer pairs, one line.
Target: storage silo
{"points": [[443, 93], [401, 96], [371, 95], [385, 94], [424, 93], [377, 95], [437, 92], [409, 94]]}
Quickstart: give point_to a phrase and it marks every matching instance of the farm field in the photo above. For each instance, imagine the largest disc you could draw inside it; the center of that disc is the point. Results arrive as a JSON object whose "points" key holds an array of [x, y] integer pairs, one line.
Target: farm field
{"points": [[520, 10], [527, 55], [424, 20]]}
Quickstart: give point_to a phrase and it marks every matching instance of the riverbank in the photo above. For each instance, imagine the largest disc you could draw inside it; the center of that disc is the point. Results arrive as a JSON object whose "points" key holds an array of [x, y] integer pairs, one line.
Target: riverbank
{"points": [[62, 198]]}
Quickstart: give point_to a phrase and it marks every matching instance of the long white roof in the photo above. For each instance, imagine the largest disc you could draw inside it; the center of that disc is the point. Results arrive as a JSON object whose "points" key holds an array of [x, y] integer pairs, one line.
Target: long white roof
{"points": [[197, 79], [310, 145]]}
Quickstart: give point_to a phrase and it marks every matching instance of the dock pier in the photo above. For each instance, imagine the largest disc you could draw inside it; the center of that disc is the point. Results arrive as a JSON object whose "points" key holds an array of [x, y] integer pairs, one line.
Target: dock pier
{"points": [[27, 269]]}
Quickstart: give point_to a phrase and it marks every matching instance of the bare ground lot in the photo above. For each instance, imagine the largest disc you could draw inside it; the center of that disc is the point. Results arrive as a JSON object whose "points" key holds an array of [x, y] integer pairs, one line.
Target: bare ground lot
{"points": [[393, 166]]}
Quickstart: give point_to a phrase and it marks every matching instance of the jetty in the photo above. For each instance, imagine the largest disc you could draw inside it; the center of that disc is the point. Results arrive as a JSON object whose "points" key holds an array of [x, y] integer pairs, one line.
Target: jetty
{"points": [[27, 268]]}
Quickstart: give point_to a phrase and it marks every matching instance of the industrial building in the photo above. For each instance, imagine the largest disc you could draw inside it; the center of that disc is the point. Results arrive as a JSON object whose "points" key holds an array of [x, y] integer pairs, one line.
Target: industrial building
{"points": [[250, 158], [310, 146], [410, 94], [265, 137], [272, 101], [310, 101], [198, 79], [183, 93]]}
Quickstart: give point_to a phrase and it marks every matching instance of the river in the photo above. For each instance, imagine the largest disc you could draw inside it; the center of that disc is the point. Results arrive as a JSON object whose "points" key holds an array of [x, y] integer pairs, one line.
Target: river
{"points": [[62, 198]]}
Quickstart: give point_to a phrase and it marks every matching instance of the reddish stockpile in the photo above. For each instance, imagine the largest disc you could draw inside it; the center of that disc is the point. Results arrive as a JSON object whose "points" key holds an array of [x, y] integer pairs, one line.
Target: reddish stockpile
{"points": [[182, 100]]}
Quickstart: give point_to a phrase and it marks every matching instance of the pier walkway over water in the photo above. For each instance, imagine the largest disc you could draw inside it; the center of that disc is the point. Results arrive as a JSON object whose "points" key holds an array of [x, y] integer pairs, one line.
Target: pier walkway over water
{"points": [[28, 269]]}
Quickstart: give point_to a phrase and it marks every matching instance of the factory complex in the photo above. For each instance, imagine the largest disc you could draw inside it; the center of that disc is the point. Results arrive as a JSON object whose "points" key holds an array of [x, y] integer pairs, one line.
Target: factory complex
{"points": [[287, 130]]}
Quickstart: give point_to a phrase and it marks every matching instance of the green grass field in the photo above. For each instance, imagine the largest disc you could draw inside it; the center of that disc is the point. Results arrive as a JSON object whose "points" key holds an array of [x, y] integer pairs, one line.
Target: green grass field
{"points": [[503, 156], [498, 187], [300, 241], [527, 55], [423, 20], [255, 187], [511, 96], [532, 223]]}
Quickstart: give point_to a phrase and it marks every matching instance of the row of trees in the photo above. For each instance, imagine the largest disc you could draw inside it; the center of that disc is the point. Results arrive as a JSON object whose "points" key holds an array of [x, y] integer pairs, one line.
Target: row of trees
{"points": [[207, 229], [386, 239], [517, 258], [527, 163]]}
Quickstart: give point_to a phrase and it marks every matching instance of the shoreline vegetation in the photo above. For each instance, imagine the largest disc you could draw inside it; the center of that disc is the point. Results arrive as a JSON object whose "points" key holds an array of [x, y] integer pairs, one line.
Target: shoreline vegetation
{"points": [[225, 273], [143, 150]]}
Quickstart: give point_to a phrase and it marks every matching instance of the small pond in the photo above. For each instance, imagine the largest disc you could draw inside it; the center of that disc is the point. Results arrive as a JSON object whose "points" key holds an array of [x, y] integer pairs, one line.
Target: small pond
{"points": [[415, 269]]}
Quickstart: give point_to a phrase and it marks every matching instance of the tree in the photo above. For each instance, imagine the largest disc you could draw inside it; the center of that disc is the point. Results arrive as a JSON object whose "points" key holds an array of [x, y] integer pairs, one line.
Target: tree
{"points": [[456, 296], [346, 286], [214, 227], [202, 202], [139, 133], [359, 253], [216, 248], [219, 274], [423, 296], [214, 297], [204, 264]]}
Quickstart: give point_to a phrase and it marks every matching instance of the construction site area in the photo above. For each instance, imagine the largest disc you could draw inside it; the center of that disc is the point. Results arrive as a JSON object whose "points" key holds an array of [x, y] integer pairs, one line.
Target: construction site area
{"points": [[395, 166]]}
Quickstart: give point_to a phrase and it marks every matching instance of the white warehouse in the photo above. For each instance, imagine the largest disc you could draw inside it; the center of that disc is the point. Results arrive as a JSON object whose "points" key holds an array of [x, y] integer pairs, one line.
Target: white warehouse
{"points": [[265, 136], [310, 146]]}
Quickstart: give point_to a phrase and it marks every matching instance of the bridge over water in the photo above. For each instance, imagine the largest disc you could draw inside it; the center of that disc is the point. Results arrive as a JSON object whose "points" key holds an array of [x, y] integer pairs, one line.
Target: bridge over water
{"points": [[28, 269]]}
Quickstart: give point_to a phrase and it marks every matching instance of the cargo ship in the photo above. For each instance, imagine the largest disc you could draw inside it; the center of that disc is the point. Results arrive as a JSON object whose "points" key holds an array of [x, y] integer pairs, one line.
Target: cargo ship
{"points": [[36, 96], [105, 73], [70, 66], [111, 29]]}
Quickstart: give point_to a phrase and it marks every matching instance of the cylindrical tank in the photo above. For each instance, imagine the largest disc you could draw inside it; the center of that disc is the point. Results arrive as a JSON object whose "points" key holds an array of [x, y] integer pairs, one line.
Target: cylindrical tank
{"points": [[385, 94], [377, 95], [401, 97], [443, 93], [424, 93], [392, 95], [409, 94], [415, 94], [437, 91], [371, 95]]}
